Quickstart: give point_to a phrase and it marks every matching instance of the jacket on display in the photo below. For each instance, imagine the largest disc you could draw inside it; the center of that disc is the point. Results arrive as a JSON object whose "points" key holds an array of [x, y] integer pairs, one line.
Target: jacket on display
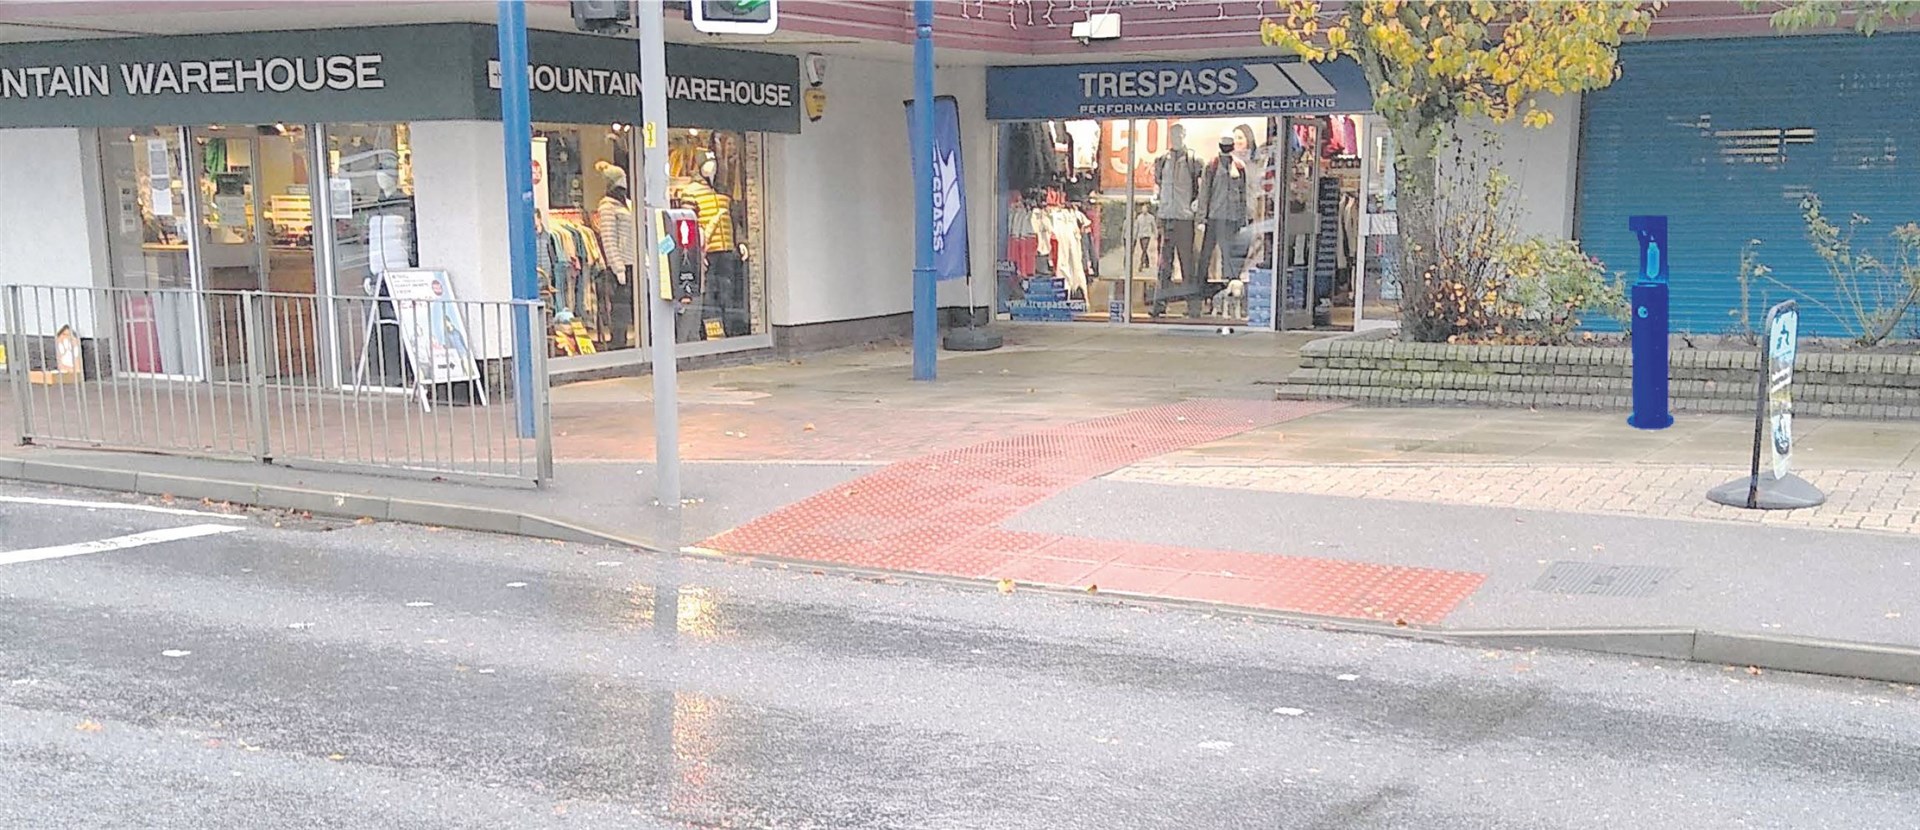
{"points": [[1177, 176], [714, 211], [614, 221], [1030, 162], [1223, 190]]}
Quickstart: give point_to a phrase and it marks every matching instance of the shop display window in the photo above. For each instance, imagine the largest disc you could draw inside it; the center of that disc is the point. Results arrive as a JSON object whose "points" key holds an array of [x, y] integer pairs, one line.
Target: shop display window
{"points": [[375, 229], [586, 241], [147, 229], [719, 176], [146, 207], [1180, 220]]}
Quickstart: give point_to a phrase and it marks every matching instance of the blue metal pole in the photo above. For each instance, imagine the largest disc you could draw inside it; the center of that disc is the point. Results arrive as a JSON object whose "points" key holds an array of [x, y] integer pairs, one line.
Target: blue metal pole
{"points": [[926, 329], [517, 126]]}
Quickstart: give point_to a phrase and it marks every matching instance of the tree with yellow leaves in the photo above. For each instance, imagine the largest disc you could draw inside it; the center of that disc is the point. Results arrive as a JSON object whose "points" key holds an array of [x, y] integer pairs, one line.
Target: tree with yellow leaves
{"points": [[1866, 16], [1433, 63]]}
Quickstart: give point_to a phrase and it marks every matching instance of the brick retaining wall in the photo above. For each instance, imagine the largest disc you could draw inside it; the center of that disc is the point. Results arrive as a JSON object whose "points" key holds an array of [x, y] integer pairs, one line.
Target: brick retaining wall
{"points": [[1392, 372]]}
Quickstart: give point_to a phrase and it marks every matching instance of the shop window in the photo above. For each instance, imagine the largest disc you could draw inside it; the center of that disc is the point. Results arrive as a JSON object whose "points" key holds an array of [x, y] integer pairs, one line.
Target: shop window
{"points": [[587, 241], [720, 176], [146, 207], [375, 230], [1150, 219], [147, 227]]}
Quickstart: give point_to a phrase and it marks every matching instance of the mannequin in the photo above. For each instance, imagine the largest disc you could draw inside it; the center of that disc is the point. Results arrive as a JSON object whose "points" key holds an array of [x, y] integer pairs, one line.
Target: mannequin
{"points": [[619, 241], [726, 280], [1223, 205], [1176, 176], [1066, 226], [1146, 228], [1023, 242]]}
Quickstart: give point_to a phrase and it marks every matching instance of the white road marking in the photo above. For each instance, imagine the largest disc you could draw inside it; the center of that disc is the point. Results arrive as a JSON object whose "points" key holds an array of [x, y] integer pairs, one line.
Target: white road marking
{"points": [[114, 505], [131, 540]]}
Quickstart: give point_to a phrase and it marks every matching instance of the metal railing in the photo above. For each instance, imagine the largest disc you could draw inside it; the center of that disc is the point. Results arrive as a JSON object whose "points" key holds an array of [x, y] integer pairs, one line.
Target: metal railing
{"points": [[384, 384]]}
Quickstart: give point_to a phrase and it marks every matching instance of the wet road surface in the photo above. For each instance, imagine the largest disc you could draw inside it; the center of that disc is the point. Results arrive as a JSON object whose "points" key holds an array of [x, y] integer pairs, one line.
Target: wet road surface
{"points": [[372, 676]]}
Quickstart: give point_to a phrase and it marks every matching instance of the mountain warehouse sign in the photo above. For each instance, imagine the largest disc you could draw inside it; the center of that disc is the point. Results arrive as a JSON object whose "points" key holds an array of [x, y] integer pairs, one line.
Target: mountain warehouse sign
{"points": [[339, 72], [386, 73], [581, 81]]}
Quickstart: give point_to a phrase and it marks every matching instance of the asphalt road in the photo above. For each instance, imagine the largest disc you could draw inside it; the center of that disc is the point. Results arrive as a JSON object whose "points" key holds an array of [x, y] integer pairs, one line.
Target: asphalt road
{"points": [[377, 676]]}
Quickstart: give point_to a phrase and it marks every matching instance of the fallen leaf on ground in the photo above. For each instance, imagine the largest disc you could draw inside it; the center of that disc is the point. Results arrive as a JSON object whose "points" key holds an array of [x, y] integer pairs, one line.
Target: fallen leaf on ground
{"points": [[1093, 589], [89, 726], [336, 757], [1754, 670], [363, 520], [807, 428], [1006, 586]]}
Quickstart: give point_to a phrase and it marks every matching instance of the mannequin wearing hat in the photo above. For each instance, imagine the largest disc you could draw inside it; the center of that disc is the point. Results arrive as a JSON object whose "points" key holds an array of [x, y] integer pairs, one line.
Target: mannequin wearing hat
{"points": [[619, 240], [1223, 207], [725, 295]]}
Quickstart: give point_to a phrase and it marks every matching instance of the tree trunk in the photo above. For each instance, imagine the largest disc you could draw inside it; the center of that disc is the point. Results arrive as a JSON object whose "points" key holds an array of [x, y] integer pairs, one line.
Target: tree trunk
{"points": [[1416, 175]]}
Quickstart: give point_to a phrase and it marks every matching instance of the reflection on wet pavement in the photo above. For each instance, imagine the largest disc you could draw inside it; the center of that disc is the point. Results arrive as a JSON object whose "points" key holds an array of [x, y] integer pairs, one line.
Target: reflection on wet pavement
{"points": [[387, 676]]}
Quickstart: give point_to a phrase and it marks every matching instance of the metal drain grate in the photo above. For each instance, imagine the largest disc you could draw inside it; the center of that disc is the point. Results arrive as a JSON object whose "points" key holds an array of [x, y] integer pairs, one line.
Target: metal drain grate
{"points": [[1603, 580]]}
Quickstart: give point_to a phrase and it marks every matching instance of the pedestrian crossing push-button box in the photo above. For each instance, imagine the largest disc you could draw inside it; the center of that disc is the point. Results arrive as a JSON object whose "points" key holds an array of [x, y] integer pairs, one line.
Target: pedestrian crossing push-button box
{"points": [[677, 244]]}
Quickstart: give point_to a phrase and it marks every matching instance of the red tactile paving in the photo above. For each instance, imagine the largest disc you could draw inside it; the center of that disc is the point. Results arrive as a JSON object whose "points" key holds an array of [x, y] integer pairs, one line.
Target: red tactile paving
{"points": [[940, 513]]}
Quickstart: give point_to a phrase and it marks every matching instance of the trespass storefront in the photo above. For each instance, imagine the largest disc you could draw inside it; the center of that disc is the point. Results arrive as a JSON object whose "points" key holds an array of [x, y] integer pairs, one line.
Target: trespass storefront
{"points": [[311, 162], [1229, 191]]}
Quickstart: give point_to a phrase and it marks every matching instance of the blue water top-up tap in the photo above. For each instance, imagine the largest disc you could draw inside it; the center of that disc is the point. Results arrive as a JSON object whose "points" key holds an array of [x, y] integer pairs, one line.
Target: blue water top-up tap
{"points": [[1652, 233]]}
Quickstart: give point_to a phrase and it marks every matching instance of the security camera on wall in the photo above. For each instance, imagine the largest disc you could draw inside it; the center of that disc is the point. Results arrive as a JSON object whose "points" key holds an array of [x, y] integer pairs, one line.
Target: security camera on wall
{"points": [[603, 16], [1097, 27]]}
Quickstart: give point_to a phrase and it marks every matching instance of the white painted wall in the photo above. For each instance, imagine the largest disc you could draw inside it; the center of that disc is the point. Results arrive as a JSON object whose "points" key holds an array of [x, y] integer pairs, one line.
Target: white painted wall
{"points": [[1543, 163], [458, 180], [842, 198], [50, 219]]}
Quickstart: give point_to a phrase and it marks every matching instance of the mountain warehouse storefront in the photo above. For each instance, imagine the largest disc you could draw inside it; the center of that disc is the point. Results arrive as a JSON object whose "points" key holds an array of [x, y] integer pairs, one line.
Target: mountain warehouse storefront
{"points": [[315, 162]]}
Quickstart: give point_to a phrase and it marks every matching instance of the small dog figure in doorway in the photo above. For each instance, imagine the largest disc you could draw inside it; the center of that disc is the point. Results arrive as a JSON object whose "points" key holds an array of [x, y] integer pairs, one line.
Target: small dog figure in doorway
{"points": [[1231, 302]]}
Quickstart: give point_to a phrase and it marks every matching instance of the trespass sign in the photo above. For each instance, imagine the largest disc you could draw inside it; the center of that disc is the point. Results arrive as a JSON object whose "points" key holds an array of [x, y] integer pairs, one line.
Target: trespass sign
{"points": [[1183, 89]]}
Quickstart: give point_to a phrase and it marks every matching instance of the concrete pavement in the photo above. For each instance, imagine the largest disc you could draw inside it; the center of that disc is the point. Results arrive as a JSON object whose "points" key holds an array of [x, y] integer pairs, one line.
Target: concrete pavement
{"points": [[1143, 463], [384, 675]]}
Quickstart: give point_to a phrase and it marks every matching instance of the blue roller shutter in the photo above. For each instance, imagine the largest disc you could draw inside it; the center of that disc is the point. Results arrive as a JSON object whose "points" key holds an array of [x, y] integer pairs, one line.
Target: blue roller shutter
{"points": [[1726, 136]]}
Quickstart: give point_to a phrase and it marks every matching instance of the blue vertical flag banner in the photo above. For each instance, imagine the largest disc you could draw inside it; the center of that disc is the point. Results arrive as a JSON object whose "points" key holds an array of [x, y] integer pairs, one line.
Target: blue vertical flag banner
{"points": [[950, 249]]}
